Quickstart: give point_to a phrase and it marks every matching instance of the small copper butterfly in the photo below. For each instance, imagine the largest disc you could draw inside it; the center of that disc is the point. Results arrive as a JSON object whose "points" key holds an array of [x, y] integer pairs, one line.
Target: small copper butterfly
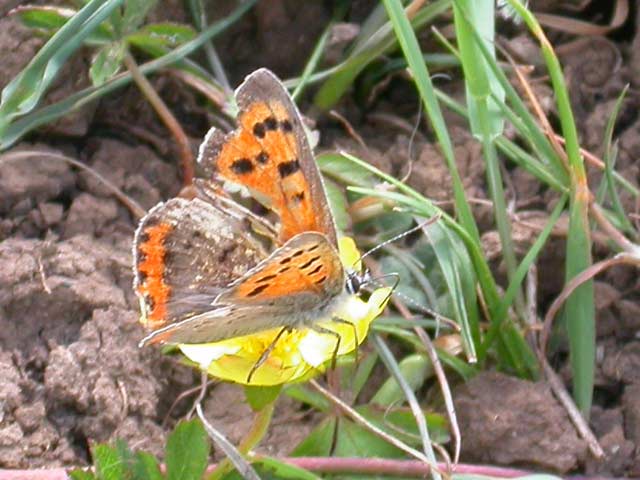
{"points": [[203, 267]]}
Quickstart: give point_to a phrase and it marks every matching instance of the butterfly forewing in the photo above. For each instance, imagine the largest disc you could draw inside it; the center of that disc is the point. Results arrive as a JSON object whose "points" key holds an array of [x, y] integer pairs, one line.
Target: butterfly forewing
{"points": [[269, 154]]}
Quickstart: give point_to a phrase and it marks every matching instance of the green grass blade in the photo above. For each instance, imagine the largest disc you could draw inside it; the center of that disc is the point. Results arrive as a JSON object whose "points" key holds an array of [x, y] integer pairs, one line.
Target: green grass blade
{"points": [[24, 92], [458, 274], [536, 167], [528, 127], [411, 50], [409, 44], [486, 118], [521, 273], [608, 158], [44, 115], [381, 41], [422, 206], [312, 63], [482, 88], [579, 311], [519, 359]]}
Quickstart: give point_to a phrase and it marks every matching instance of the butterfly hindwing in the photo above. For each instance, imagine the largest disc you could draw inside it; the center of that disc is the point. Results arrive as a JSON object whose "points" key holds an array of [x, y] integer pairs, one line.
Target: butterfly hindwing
{"points": [[305, 269], [185, 253]]}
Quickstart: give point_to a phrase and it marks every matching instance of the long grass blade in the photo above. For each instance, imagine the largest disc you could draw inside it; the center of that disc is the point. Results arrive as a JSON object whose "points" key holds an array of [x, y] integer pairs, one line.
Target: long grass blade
{"points": [[44, 115], [390, 362], [368, 49], [26, 89], [579, 312]]}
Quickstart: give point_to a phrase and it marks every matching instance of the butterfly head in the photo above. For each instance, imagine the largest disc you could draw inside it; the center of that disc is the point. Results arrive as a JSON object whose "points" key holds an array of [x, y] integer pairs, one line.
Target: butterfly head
{"points": [[356, 280]]}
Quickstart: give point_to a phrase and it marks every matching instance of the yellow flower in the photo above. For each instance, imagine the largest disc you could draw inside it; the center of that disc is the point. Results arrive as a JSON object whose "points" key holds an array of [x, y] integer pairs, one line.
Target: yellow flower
{"points": [[298, 354]]}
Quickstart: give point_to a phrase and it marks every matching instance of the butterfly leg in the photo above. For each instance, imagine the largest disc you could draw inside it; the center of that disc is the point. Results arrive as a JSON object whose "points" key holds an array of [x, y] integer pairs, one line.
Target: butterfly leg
{"points": [[266, 353], [326, 331], [355, 332]]}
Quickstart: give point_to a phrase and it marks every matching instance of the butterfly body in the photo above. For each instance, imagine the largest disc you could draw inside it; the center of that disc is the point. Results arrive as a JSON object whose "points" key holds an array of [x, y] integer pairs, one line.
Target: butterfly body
{"points": [[202, 272]]}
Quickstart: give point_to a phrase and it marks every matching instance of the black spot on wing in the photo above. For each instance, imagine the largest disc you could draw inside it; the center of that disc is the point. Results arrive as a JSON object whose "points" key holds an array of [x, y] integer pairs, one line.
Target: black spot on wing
{"points": [[286, 125], [299, 197], [257, 290], [262, 158], [266, 278], [259, 130], [270, 123], [315, 270], [309, 262], [288, 168], [242, 166]]}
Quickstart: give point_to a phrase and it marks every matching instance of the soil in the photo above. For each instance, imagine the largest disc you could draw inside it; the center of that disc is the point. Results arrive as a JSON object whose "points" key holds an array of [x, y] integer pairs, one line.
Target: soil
{"points": [[71, 372]]}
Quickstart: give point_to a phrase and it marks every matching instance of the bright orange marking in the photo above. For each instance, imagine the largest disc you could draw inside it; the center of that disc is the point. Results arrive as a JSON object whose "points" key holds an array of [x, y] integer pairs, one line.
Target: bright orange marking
{"points": [[153, 267], [294, 279], [296, 216]]}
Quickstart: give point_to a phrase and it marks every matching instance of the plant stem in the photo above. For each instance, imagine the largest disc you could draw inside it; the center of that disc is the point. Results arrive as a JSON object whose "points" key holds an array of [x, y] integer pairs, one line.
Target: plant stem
{"points": [[172, 124], [254, 436]]}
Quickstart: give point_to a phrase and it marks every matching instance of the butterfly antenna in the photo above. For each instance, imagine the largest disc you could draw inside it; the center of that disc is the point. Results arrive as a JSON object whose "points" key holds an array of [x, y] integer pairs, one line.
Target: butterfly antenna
{"points": [[426, 223], [407, 299]]}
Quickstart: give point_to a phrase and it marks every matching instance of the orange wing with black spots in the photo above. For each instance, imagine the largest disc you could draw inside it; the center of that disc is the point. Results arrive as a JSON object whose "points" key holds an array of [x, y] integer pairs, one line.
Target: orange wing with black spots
{"points": [[291, 287], [151, 268], [270, 155], [186, 252], [306, 267]]}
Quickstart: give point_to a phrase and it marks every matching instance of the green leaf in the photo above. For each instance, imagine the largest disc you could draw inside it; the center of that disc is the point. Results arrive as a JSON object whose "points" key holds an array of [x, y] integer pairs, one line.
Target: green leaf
{"points": [[11, 130], [107, 62], [273, 469], [260, 397], [158, 38], [341, 169], [462, 368], [146, 467], [303, 394], [353, 440], [415, 368], [26, 89], [318, 443], [338, 205], [187, 451], [108, 463], [363, 372], [135, 12], [44, 18], [401, 423], [81, 475]]}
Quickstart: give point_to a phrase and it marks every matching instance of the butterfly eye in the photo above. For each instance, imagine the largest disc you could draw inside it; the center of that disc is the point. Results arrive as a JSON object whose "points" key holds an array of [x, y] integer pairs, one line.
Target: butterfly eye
{"points": [[354, 282]]}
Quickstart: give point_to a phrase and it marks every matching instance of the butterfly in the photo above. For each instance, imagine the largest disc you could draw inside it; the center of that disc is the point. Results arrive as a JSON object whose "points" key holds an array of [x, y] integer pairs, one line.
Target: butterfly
{"points": [[203, 271]]}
